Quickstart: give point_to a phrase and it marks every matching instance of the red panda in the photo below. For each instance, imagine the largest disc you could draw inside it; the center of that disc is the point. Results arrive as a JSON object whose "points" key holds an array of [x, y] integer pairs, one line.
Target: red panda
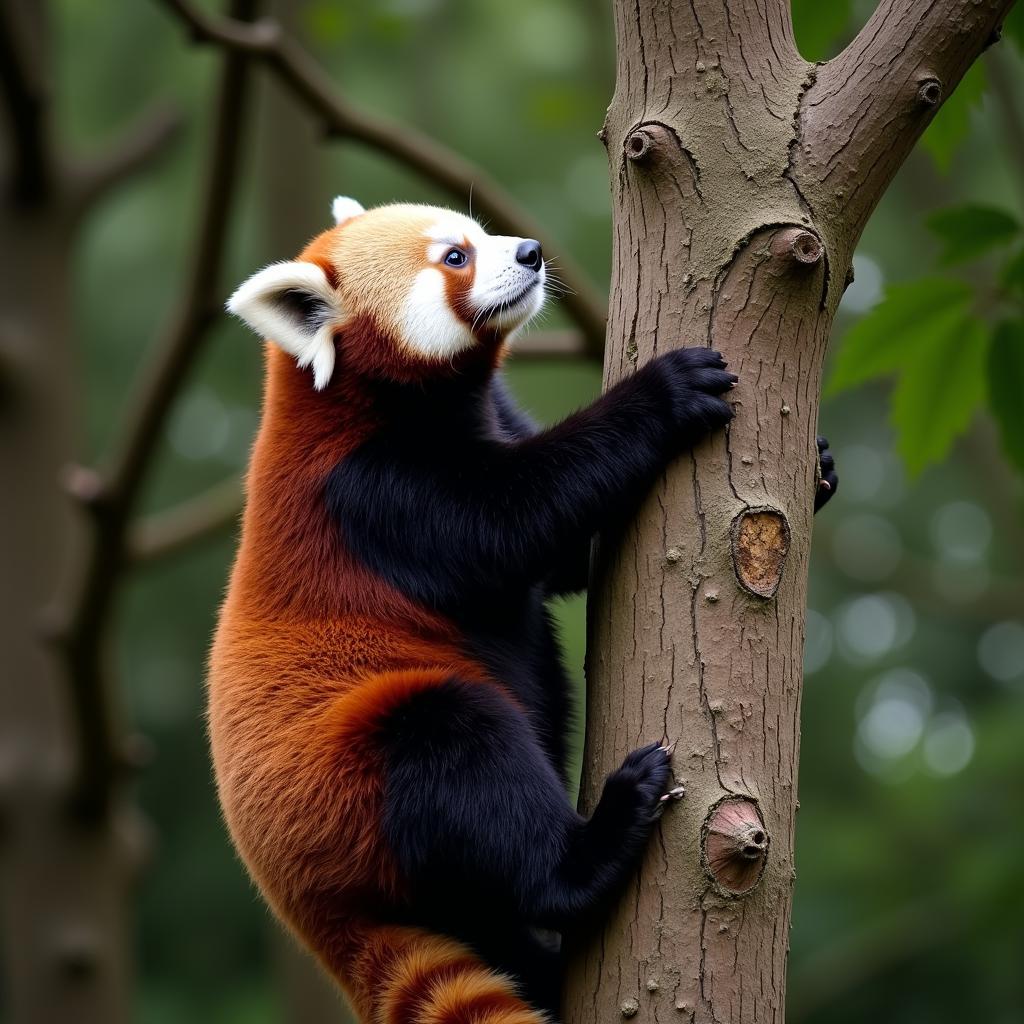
{"points": [[387, 705]]}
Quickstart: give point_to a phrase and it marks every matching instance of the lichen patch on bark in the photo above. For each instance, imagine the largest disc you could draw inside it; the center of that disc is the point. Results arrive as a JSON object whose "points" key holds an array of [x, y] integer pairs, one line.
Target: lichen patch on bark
{"points": [[760, 543]]}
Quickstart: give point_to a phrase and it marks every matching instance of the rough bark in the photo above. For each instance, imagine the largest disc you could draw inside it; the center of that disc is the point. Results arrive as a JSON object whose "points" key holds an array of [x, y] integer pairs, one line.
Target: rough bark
{"points": [[742, 177]]}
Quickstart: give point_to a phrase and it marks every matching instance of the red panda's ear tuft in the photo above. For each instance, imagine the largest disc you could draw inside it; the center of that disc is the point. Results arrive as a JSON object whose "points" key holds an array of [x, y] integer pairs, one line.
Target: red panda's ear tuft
{"points": [[294, 306], [345, 208]]}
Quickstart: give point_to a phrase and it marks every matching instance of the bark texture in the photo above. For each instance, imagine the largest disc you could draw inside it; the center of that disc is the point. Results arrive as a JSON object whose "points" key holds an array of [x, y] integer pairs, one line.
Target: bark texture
{"points": [[742, 177]]}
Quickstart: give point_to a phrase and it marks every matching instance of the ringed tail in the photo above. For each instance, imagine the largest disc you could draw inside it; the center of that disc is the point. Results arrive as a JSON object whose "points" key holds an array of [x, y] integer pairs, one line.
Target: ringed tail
{"points": [[399, 975]]}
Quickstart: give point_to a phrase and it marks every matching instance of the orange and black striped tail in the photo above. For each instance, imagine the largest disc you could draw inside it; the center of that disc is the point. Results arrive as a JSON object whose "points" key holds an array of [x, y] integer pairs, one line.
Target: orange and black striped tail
{"points": [[406, 976]]}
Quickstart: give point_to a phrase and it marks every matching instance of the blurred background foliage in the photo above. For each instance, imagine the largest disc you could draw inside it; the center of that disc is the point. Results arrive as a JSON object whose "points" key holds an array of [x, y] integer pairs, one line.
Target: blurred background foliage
{"points": [[908, 901]]}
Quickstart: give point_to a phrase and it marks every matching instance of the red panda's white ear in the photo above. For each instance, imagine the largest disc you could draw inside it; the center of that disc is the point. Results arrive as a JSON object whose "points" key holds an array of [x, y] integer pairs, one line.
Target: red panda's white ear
{"points": [[345, 208], [293, 305]]}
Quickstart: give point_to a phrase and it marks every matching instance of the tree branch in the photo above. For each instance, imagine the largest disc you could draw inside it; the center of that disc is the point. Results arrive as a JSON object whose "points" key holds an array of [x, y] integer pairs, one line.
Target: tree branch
{"points": [[865, 109], [26, 99], [310, 84], [567, 344], [79, 626], [141, 144], [177, 528]]}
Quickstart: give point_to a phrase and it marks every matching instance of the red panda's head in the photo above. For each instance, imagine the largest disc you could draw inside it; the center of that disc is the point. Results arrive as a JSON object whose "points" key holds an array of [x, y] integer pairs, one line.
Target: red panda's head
{"points": [[417, 287]]}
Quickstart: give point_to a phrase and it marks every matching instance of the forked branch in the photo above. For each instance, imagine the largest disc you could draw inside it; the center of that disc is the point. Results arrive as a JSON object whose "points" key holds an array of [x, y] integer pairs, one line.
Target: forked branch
{"points": [[867, 107]]}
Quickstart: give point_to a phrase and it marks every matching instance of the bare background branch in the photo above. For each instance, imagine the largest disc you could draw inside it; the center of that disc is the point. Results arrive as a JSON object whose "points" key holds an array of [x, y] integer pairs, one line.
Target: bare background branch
{"points": [[341, 119]]}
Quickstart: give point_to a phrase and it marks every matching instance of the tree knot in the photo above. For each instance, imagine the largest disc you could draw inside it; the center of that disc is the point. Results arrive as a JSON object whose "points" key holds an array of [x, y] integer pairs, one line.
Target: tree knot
{"points": [[734, 845], [646, 140], [929, 92], [804, 248]]}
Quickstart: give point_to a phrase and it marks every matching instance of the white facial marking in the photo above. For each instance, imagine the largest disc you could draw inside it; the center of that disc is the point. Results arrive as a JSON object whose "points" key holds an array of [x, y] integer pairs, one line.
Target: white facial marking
{"points": [[293, 305], [429, 325], [345, 208], [455, 230], [505, 292]]}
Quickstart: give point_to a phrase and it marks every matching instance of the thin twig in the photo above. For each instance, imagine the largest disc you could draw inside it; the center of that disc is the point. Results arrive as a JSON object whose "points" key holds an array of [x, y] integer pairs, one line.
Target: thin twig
{"points": [[207, 514], [567, 344], [307, 80], [80, 627], [171, 531]]}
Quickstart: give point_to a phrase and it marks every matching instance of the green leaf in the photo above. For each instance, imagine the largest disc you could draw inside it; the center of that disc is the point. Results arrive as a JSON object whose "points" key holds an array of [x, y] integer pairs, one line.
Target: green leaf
{"points": [[970, 230], [1013, 26], [818, 26], [886, 338], [953, 121], [1012, 274], [1006, 387], [938, 393]]}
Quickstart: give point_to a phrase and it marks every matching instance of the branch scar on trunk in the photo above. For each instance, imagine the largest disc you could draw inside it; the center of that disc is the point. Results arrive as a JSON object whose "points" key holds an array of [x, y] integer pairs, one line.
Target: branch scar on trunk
{"points": [[734, 845]]}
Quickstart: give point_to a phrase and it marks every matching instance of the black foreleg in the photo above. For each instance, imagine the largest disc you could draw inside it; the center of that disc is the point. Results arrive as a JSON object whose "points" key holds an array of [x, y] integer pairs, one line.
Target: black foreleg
{"points": [[480, 822]]}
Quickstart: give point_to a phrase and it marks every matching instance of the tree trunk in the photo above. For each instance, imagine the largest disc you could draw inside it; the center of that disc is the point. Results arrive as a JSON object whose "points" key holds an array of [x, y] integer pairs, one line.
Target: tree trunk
{"points": [[742, 178], [71, 838], [62, 903], [65, 927]]}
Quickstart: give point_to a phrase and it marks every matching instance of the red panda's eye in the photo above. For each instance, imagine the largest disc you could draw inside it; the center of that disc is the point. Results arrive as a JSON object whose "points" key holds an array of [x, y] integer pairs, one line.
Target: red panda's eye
{"points": [[456, 258]]}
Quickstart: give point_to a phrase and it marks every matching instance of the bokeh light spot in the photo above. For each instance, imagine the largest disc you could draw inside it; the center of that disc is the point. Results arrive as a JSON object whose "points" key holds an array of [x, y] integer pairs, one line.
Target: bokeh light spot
{"points": [[199, 428], [1001, 652], [872, 625], [867, 547], [866, 290], [949, 743], [961, 532]]}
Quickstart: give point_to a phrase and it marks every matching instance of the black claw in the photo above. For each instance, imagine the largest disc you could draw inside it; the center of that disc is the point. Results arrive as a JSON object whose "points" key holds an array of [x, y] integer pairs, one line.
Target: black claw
{"points": [[829, 481]]}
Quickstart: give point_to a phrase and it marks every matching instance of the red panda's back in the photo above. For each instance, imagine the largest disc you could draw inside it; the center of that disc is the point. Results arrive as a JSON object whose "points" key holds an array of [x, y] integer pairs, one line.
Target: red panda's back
{"points": [[311, 649]]}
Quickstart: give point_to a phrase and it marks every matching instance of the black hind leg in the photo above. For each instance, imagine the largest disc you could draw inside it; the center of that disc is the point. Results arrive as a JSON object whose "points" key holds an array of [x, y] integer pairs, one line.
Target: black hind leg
{"points": [[481, 825]]}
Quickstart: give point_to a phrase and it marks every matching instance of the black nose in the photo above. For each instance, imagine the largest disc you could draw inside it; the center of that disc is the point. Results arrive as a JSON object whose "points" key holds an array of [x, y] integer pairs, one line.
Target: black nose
{"points": [[528, 254]]}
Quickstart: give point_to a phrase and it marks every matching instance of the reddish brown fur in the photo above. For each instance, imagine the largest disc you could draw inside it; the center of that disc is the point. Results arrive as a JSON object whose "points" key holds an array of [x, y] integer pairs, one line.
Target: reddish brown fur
{"points": [[311, 652]]}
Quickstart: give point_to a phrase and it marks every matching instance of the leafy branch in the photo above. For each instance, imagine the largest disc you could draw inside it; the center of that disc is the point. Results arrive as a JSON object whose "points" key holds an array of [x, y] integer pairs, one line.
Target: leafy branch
{"points": [[954, 347]]}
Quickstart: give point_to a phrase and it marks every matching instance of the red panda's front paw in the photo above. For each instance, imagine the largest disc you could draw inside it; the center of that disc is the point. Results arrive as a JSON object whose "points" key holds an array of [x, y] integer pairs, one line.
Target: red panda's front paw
{"points": [[697, 379], [643, 783]]}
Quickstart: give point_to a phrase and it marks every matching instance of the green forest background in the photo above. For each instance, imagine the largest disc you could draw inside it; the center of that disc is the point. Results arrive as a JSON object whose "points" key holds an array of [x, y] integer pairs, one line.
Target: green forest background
{"points": [[909, 902]]}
